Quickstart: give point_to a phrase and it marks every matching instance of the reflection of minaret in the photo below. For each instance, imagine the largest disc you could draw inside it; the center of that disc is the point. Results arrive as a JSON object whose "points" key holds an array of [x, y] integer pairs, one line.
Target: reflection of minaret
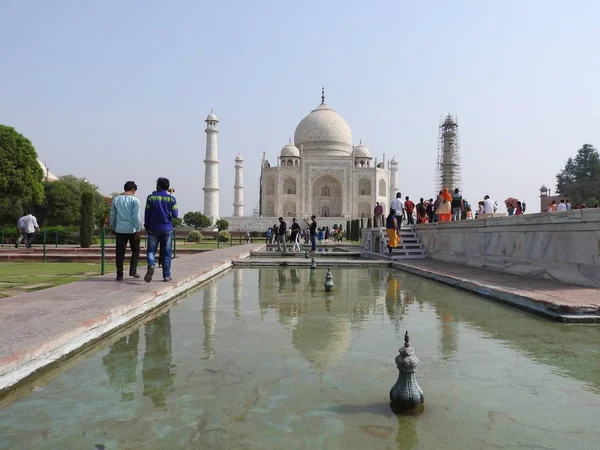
{"points": [[156, 371], [209, 318], [448, 165], [238, 187], [121, 364], [211, 170], [237, 292]]}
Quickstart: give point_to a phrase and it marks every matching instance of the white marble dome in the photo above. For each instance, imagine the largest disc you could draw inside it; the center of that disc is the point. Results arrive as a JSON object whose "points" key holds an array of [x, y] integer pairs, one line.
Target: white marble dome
{"points": [[290, 150], [212, 117], [361, 151], [48, 176], [324, 130]]}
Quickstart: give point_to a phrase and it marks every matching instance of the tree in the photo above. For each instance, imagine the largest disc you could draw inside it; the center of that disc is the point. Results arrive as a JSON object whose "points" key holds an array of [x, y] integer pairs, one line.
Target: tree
{"points": [[222, 225], [87, 219], [196, 219], [21, 176], [580, 179]]}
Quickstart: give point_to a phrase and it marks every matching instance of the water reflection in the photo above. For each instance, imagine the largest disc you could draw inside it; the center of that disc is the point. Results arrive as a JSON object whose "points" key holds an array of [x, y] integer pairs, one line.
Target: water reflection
{"points": [[237, 293], [209, 313], [156, 373], [121, 365], [393, 302]]}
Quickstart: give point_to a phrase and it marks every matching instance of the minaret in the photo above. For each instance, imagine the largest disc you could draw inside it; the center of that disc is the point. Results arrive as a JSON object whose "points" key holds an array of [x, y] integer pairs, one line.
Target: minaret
{"points": [[238, 187], [393, 179], [449, 156], [211, 170]]}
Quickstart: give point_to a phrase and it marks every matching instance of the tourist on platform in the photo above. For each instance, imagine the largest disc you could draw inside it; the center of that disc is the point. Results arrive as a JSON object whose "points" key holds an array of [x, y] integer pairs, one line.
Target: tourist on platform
{"points": [[422, 216], [430, 210], [30, 226], [398, 206], [268, 235], [409, 207], [295, 236], [320, 235], [457, 205], [568, 203], [392, 230], [161, 209], [519, 209], [562, 205], [553, 206], [281, 233], [340, 233], [21, 230], [444, 211], [326, 236], [436, 205], [124, 220], [510, 209], [378, 215], [480, 209], [489, 206], [275, 230], [468, 213], [313, 233]]}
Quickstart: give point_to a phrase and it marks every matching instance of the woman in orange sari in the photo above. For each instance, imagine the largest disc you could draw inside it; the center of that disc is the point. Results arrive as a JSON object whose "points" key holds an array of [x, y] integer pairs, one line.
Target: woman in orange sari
{"points": [[444, 211], [391, 228]]}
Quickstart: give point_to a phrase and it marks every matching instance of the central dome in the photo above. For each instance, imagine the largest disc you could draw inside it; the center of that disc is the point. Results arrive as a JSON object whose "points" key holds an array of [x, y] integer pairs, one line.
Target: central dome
{"points": [[324, 131]]}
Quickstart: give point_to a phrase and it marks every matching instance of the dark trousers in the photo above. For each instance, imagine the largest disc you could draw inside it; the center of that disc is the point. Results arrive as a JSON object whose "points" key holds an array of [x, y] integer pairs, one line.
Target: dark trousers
{"points": [[29, 239], [313, 242], [121, 246], [410, 218]]}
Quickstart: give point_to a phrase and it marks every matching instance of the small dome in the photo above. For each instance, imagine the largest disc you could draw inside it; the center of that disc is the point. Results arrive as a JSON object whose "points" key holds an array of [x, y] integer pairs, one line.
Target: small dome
{"points": [[212, 117], [290, 150], [543, 188], [393, 160], [449, 120], [239, 157], [361, 151]]}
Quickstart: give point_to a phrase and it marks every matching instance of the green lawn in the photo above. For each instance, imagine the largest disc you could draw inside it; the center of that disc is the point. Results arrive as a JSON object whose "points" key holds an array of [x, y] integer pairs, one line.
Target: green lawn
{"points": [[17, 277]]}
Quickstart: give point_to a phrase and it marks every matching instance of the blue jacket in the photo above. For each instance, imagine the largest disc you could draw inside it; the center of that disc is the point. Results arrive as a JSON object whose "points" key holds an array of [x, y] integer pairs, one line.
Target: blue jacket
{"points": [[125, 214], [161, 209]]}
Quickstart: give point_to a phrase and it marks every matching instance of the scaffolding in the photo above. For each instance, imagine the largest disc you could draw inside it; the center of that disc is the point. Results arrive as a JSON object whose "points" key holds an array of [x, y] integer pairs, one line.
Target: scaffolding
{"points": [[448, 173]]}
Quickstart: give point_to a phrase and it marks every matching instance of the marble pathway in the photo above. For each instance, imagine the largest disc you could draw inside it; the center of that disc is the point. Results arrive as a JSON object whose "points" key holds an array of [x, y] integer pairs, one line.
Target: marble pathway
{"points": [[40, 328], [559, 301]]}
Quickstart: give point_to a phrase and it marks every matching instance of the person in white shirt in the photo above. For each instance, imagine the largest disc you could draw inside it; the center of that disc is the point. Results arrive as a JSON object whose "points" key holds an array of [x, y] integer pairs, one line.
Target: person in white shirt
{"points": [[568, 203], [398, 205], [489, 206], [30, 225], [562, 205]]}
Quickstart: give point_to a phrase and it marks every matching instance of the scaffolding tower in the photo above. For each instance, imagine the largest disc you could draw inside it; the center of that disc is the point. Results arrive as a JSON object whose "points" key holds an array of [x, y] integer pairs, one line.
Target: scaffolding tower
{"points": [[448, 173]]}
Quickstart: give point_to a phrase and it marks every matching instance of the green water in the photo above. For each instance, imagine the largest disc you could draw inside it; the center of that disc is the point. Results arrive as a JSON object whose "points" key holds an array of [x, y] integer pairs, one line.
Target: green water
{"points": [[264, 359]]}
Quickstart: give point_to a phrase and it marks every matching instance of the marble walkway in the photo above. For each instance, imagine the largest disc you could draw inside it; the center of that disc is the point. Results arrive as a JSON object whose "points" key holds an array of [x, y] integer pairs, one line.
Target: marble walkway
{"points": [[549, 298], [43, 327]]}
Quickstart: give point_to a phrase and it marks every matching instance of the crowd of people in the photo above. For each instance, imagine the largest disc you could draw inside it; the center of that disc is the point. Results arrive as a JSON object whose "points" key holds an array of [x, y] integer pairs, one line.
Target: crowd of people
{"points": [[281, 234]]}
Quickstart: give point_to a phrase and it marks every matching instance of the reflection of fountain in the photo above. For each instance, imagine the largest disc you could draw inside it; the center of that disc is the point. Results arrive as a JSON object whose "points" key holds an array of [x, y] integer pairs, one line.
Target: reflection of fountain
{"points": [[121, 364], [209, 318], [156, 371], [312, 281], [406, 435], [237, 293]]}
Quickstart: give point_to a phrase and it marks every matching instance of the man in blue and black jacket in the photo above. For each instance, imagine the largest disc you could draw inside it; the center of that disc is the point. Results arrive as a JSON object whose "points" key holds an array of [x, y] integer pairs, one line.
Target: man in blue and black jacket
{"points": [[161, 209]]}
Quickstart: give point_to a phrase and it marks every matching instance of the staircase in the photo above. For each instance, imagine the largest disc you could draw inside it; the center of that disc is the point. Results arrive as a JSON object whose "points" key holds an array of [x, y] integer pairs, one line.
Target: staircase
{"points": [[375, 244]]}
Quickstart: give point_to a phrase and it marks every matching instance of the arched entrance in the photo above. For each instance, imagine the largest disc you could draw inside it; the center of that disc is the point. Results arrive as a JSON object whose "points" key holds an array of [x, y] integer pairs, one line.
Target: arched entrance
{"points": [[327, 196]]}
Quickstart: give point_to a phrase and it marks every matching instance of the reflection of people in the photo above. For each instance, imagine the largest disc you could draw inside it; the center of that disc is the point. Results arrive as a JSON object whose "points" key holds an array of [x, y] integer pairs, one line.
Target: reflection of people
{"points": [[121, 364], [156, 372], [281, 278], [392, 297], [294, 276]]}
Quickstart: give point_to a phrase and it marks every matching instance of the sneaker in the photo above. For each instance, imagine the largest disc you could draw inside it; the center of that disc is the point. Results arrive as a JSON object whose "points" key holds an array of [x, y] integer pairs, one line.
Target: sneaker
{"points": [[167, 279], [119, 277], [149, 274], [135, 275]]}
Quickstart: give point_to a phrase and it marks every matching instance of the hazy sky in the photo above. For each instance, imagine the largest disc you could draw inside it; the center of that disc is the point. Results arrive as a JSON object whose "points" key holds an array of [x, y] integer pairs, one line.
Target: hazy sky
{"points": [[115, 90]]}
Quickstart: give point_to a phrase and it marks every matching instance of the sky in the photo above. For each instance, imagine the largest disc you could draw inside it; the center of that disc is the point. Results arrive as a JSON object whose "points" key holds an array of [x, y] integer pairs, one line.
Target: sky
{"points": [[115, 91]]}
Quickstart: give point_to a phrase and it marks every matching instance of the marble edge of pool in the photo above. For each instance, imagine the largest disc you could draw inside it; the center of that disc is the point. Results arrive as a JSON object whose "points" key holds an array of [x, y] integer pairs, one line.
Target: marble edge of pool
{"points": [[44, 328]]}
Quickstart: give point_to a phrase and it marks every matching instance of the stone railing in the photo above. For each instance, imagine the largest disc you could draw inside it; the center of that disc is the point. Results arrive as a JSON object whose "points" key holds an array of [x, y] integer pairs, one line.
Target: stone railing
{"points": [[563, 246]]}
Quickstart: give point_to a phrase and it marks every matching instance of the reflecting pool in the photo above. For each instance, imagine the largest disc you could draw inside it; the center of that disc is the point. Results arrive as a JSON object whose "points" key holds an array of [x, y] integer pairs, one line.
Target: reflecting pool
{"points": [[265, 359]]}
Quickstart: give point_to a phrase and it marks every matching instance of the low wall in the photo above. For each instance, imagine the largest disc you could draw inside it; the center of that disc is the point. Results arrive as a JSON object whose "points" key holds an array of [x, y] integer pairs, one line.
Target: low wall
{"points": [[564, 246]]}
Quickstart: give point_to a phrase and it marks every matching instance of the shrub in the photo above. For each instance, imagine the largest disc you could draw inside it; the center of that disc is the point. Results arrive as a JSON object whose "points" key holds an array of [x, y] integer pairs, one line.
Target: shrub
{"points": [[87, 219], [222, 224], [194, 236], [223, 236]]}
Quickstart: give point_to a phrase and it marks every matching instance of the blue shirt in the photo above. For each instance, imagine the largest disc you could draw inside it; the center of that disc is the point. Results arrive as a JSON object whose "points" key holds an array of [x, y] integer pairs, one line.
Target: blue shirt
{"points": [[161, 209], [125, 214]]}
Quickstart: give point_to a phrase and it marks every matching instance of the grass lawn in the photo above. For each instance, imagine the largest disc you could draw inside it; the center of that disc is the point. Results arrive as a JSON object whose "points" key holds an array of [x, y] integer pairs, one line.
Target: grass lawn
{"points": [[17, 277]]}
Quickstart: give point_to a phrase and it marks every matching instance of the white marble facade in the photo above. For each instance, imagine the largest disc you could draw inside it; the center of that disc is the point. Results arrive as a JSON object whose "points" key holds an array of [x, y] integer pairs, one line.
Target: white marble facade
{"points": [[323, 173]]}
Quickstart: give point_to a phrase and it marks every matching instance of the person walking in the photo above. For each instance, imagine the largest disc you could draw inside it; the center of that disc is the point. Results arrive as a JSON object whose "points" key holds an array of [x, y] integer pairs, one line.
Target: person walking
{"points": [[409, 207], [377, 215], [161, 209], [30, 225], [457, 205], [295, 236], [22, 236], [391, 228], [398, 206], [125, 222], [281, 234]]}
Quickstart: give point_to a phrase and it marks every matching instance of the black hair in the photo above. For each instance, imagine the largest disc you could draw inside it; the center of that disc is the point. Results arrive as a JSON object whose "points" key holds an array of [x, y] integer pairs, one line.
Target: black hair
{"points": [[162, 184], [130, 186]]}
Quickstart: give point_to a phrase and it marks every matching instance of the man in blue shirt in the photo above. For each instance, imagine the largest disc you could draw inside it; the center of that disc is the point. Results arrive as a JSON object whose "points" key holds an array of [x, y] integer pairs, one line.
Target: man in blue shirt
{"points": [[125, 221], [161, 209]]}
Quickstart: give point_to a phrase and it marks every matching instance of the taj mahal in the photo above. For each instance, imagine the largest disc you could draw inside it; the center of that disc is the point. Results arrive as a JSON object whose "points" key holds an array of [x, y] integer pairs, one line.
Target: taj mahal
{"points": [[321, 172]]}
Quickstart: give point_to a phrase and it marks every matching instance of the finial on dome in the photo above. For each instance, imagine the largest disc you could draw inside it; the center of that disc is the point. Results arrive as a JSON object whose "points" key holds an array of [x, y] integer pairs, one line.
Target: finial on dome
{"points": [[323, 95], [289, 140], [360, 142]]}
